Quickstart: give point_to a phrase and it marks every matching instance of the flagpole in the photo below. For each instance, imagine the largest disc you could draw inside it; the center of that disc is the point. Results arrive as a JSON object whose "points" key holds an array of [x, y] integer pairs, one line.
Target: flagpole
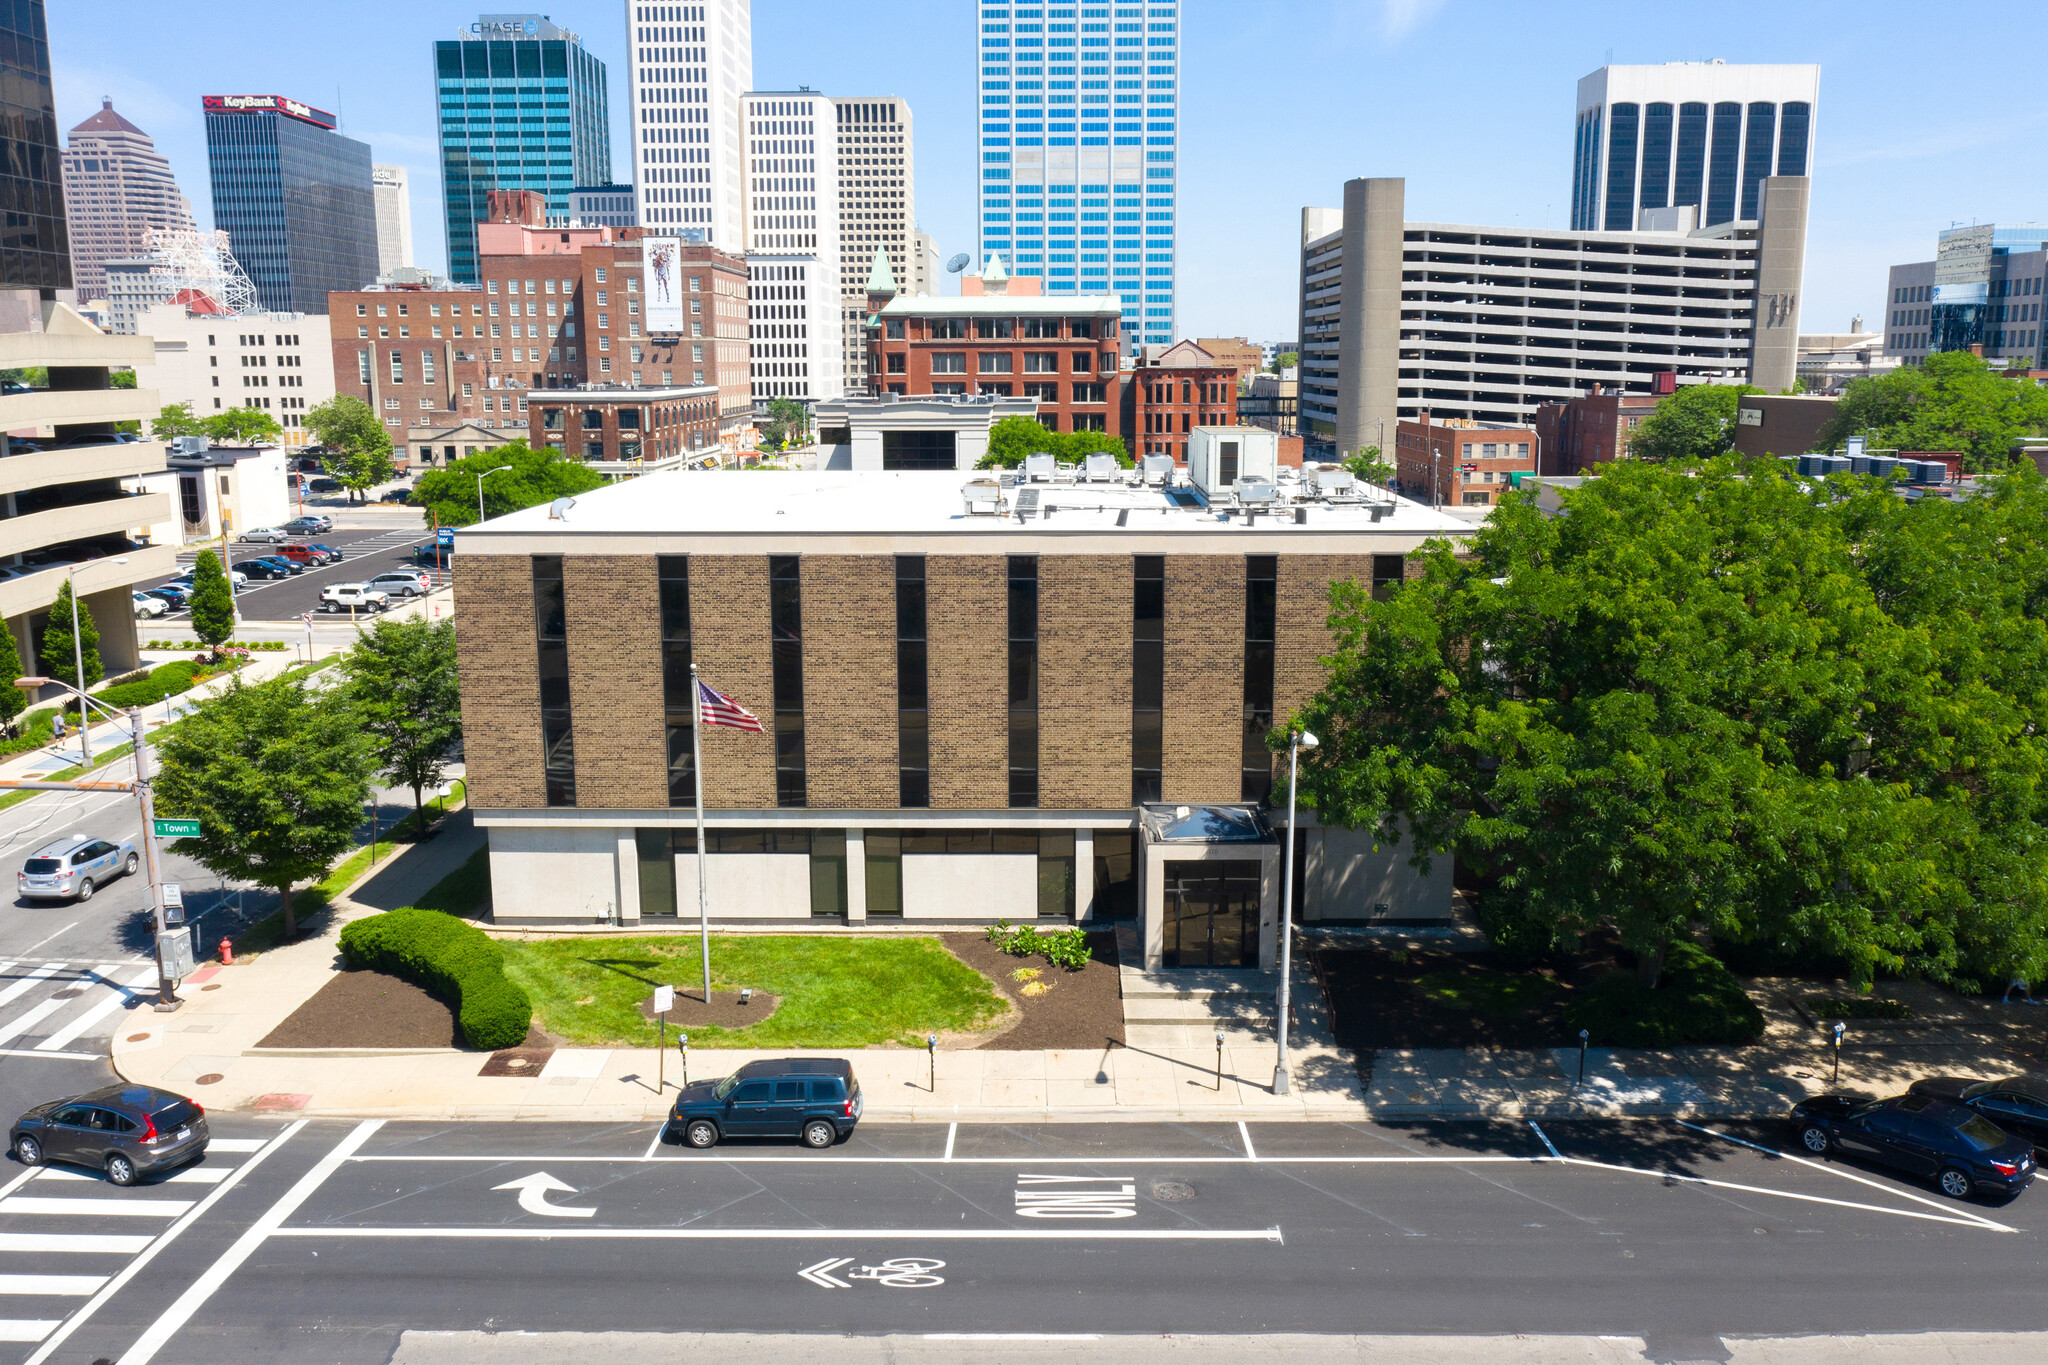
{"points": [[697, 771]]}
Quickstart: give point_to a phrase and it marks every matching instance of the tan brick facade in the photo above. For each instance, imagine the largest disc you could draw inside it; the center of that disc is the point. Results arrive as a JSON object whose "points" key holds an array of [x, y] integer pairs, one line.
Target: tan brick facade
{"points": [[849, 615], [1301, 624], [1203, 725], [1084, 660], [966, 625], [729, 641], [613, 607], [500, 670]]}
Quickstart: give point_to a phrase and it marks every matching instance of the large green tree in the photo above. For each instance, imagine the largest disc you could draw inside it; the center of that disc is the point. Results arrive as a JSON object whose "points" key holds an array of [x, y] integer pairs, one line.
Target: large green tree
{"points": [[447, 497], [59, 650], [1695, 423], [402, 681], [173, 419], [357, 444], [1953, 401], [1717, 699], [212, 601], [241, 427], [276, 775], [1012, 438], [1367, 463]]}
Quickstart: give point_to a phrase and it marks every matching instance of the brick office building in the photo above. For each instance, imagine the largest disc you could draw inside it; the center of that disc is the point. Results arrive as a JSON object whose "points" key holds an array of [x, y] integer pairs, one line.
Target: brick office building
{"points": [[970, 715], [1001, 337], [712, 348], [1594, 428], [624, 424], [1461, 464], [1245, 358], [1170, 391]]}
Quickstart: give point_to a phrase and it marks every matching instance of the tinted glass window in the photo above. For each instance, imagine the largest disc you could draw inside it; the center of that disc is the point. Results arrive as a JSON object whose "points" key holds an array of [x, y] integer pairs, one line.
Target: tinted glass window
{"points": [[35, 866], [824, 1090], [753, 1092], [71, 1115], [1888, 1122], [175, 1115], [789, 1090], [1981, 1133]]}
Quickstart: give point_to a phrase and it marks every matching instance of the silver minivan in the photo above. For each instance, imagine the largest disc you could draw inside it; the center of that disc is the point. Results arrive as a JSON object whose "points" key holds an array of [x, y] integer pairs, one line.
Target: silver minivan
{"points": [[73, 867]]}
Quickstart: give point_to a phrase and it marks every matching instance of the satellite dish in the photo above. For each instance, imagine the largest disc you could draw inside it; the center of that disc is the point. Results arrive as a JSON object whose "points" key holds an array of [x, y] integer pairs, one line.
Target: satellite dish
{"points": [[958, 263], [558, 510]]}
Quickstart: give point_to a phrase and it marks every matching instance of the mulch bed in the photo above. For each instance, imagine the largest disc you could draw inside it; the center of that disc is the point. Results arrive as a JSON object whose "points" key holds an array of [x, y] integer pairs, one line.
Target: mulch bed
{"points": [[725, 1011], [368, 1009], [1084, 1009], [1377, 1000]]}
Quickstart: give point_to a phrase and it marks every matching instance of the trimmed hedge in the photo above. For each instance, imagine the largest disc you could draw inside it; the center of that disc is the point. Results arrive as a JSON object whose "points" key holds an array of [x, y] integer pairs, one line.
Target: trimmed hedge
{"points": [[1697, 1000], [167, 680], [453, 961]]}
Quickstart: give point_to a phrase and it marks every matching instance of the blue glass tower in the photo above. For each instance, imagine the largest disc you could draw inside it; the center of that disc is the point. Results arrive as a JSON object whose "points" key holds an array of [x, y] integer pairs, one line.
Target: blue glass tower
{"points": [[523, 107], [1078, 150], [294, 197]]}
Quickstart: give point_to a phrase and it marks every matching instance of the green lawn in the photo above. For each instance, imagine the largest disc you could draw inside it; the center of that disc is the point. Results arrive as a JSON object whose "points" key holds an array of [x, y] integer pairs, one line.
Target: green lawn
{"points": [[836, 992], [1498, 994]]}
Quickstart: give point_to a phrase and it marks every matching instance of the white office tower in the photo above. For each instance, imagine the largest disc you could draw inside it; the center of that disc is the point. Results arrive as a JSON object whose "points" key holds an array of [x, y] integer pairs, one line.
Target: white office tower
{"points": [[794, 342], [393, 194], [691, 64], [877, 208], [1687, 144], [1078, 151]]}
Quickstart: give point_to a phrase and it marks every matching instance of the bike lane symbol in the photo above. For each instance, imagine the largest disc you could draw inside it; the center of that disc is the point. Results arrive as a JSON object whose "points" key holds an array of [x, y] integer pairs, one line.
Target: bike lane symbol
{"points": [[903, 1272]]}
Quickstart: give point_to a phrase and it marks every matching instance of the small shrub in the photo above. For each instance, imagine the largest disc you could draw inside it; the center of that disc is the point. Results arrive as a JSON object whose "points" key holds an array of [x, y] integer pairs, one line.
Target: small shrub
{"points": [[453, 961], [1857, 1007], [1697, 1001], [999, 932], [1026, 974], [1064, 948], [1037, 988]]}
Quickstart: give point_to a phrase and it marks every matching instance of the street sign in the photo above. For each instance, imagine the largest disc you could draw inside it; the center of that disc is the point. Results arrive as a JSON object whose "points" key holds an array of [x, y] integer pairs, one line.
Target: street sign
{"points": [[664, 999], [445, 536], [176, 829], [174, 894]]}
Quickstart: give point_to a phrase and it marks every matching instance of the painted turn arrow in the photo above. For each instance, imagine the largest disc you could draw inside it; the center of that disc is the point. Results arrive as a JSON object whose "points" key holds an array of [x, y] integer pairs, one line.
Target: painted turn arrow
{"points": [[533, 1195]]}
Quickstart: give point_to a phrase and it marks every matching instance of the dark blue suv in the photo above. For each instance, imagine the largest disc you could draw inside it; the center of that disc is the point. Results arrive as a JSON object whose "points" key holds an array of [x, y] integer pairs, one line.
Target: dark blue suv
{"points": [[815, 1098]]}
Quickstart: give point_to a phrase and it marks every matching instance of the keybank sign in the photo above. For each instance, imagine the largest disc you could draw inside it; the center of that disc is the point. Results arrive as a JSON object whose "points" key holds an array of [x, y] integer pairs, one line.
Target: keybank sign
{"points": [[245, 104]]}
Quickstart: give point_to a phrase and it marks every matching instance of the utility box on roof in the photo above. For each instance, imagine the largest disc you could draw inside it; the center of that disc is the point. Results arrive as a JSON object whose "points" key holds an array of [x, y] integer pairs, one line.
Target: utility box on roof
{"points": [[1219, 456]]}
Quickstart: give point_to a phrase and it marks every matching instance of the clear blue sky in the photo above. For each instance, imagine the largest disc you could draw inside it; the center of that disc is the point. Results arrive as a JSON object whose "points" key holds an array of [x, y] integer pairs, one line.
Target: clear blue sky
{"points": [[1282, 101]]}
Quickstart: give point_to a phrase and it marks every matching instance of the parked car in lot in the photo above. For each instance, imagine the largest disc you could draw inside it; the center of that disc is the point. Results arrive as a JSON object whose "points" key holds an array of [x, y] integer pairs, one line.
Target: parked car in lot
{"points": [[403, 582], [171, 596], [311, 524], [816, 1099], [353, 597], [325, 486], [268, 534], [73, 867], [319, 547], [1958, 1148], [185, 580], [125, 1130], [397, 495], [304, 555], [430, 553], [147, 606], [266, 568], [2018, 1104]]}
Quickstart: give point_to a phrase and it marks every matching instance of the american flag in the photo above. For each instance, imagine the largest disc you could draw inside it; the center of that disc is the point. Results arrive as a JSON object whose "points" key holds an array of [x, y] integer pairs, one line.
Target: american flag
{"points": [[718, 709]]}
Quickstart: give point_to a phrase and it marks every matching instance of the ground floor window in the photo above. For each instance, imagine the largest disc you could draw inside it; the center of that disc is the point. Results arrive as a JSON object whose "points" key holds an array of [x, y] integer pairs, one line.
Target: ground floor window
{"points": [[659, 849], [1116, 875], [885, 850], [1211, 914]]}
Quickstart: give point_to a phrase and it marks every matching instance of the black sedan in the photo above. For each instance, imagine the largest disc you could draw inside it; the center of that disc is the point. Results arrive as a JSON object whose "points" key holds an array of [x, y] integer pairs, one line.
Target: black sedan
{"points": [[175, 596], [127, 1131], [1961, 1150], [264, 568], [2018, 1104]]}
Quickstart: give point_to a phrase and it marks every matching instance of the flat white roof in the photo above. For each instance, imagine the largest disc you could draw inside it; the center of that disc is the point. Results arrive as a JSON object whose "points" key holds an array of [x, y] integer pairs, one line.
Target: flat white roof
{"points": [[1001, 306], [856, 509]]}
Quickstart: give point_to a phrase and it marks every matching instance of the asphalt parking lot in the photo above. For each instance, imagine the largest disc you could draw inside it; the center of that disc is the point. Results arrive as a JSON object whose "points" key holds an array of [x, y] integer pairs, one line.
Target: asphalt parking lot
{"points": [[365, 554]]}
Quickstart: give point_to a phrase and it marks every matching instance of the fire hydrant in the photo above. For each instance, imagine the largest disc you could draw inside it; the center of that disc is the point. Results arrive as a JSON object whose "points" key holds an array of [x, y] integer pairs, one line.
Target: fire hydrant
{"points": [[227, 952]]}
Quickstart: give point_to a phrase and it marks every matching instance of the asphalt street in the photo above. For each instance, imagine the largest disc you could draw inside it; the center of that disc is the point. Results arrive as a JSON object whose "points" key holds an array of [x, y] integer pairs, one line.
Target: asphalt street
{"points": [[325, 1240]]}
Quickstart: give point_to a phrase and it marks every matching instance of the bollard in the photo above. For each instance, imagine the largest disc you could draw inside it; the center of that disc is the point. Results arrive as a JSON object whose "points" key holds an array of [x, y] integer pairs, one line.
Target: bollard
{"points": [[683, 1046], [1219, 1061], [227, 952], [1583, 1037], [931, 1047], [1837, 1078]]}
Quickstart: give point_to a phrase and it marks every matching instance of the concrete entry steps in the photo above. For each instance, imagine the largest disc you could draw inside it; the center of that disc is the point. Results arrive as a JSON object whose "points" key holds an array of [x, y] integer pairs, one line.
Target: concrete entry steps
{"points": [[1182, 1008]]}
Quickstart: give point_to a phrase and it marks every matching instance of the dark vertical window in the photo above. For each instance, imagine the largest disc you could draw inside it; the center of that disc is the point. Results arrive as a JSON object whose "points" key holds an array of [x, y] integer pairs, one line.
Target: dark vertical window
{"points": [[550, 629], [1148, 676], [1756, 158], [786, 627], [657, 872], [1656, 156], [1387, 573], [1582, 138], [1722, 161], [1692, 155], [1621, 168], [828, 873], [1226, 462], [884, 849], [1793, 131], [677, 712], [1023, 680], [913, 699], [1261, 587]]}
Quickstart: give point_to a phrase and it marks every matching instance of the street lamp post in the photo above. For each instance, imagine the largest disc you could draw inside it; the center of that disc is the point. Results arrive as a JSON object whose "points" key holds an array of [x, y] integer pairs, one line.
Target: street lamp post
{"points": [[78, 661], [480, 488], [1296, 742]]}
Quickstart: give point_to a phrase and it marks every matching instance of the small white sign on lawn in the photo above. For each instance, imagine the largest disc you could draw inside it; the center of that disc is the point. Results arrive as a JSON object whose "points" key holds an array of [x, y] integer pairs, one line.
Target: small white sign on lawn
{"points": [[664, 999]]}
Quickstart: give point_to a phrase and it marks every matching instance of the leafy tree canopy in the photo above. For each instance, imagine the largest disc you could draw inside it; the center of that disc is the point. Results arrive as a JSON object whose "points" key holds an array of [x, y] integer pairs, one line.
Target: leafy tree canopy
{"points": [[241, 427], [1011, 439], [60, 655], [447, 497], [1286, 360], [213, 601], [1954, 401], [1367, 463], [1695, 423], [175, 419], [1807, 718], [402, 681], [358, 446]]}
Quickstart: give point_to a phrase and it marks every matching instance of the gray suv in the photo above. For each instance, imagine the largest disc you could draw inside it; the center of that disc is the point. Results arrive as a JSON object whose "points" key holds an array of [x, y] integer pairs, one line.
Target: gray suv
{"points": [[128, 1131], [74, 867]]}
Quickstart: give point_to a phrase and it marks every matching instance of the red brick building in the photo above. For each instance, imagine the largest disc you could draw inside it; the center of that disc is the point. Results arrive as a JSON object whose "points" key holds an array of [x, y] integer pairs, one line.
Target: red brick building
{"points": [[1592, 429], [1171, 391], [1461, 464], [713, 349], [625, 424], [1001, 336]]}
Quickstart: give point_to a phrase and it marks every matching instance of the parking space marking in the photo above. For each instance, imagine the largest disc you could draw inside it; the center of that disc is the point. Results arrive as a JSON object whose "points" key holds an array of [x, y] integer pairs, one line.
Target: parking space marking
{"points": [[1983, 1224], [549, 1234], [236, 1144], [1548, 1145], [1246, 1134], [1022, 1160], [952, 1131]]}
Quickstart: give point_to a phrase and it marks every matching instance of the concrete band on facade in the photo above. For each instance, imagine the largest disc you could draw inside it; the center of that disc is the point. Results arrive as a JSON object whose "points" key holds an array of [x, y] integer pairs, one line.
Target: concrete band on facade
{"points": [[852, 853]]}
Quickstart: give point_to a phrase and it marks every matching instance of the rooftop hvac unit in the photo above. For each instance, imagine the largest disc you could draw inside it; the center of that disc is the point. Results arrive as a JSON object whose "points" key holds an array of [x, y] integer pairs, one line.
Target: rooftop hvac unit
{"points": [[1102, 467], [1882, 465], [1257, 493], [190, 445], [1038, 467], [1158, 469], [1337, 485], [1219, 457], [1859, 464], [1926, 471], [984, 498]]}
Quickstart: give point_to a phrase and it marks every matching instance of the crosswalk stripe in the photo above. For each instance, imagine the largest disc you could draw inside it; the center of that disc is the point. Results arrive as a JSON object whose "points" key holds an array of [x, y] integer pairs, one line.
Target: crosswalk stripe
{"points": [[75, 1285], [26, 1329], [235, 1144], [72, 1241], [21, 1023], [28, 983], [95, 1208], [191, 1175], [119, 997]]}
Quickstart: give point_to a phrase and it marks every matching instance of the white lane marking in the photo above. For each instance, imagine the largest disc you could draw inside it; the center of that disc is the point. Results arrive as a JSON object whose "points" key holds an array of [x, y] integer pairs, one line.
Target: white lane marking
{"points": [[30, 1174], [802, 1235], [53, 1056], [28, 983], [821, 1273], [952, 1131], [70, 1241], [1846, 1175], [1981, 1224], [654, 1143], [178, 1314], [26, 1329], [191, 1175], [236, 1144], [1246, 1134], [1012, 1336], [111, 1207], [1119, 1160], [1548, 1145], [169, 1235], [28, 1019], [77, 1285]]}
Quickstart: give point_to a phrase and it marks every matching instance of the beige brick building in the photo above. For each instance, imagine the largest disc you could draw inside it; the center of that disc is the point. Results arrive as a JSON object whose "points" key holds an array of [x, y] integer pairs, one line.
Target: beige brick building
{"points": [[1028, 700]]}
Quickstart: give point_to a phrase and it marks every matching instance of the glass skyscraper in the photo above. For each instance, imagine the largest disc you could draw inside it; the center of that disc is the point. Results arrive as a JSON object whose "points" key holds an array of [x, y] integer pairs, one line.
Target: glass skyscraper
{"points": [[34, 250], [294, 197], [523, 107], [1078, 143]]}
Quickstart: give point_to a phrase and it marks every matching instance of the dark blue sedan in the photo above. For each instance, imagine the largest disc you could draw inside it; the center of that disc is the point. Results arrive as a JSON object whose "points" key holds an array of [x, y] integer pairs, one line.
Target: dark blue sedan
{"points": [[1959, 1149]]}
